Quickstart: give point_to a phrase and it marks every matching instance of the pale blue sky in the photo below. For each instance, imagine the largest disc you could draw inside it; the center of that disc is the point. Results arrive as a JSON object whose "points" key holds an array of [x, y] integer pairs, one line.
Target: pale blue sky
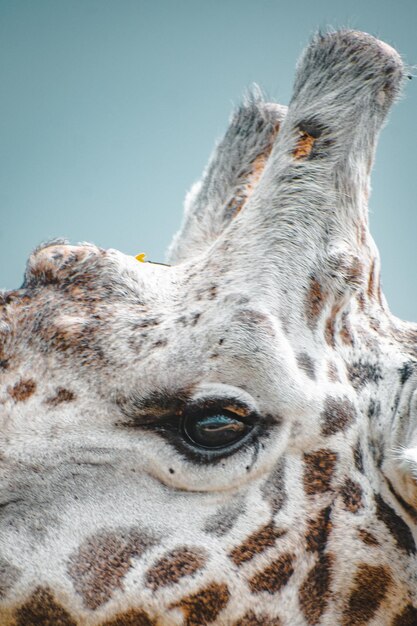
{"points": [[109, 110]]}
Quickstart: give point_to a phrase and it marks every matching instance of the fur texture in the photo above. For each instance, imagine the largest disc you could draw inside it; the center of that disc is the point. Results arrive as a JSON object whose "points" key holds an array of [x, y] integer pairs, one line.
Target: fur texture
{"points": [[270, 323]]}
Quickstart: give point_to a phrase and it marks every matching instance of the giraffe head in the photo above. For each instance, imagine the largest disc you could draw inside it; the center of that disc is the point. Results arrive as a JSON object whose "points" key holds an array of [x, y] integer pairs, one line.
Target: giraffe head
{"points": [[231, 439]]}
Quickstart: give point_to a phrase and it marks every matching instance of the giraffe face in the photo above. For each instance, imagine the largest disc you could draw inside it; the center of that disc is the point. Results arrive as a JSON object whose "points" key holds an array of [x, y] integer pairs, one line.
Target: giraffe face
{"points": [[128, 404], [230, 439]]}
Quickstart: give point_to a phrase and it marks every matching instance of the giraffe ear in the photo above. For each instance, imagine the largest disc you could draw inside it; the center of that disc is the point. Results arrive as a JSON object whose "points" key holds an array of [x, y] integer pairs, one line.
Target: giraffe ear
{"points": [[306, 218], [233, 172]]}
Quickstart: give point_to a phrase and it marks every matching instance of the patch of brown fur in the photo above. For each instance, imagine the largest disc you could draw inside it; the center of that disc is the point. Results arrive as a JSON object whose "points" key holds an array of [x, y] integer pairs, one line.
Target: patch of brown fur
{"points": [[399, 530], [174, 566], [103, 560], [251, 619], [371, 584], [319, 470], [42, 609], [407, 617], [275, 576], [22, 390], [134, 617], [368, 537], [256, 543], [204, 606], [351, 494], [304, 145], [315, 591], [315, 302], [318, 530], [61, 396], [330, 328]]}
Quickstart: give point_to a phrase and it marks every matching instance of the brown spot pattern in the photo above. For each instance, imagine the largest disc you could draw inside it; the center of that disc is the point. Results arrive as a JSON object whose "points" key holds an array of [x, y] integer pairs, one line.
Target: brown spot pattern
{"points": [[368, 537], [22, 390], [396, 525], [371, 584], [62, 395], [316, 299], [315, 591], [42, 609], [174, 566], [407, 617], [256, 543], [102, 561], [318, 531], [337, 415], [361, 373], [131, 618], [351, 495], [251, 619], [329, 330], [273, 577], [204, 606], [306, 363], [318, 470], [304, 145]]}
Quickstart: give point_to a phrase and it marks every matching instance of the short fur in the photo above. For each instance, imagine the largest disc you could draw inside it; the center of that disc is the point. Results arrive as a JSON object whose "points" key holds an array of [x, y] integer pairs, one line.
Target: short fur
{"points": [[272, 308]]}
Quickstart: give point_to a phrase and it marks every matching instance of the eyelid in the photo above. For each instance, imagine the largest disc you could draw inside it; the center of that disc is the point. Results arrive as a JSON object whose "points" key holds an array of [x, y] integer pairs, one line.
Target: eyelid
{"points": [[218, 405], [199, 406], [237, 410]]}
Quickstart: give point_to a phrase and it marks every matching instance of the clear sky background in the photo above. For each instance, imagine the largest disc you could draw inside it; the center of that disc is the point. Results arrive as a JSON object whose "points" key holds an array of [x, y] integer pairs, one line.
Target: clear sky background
{"points": [[109, 110]]}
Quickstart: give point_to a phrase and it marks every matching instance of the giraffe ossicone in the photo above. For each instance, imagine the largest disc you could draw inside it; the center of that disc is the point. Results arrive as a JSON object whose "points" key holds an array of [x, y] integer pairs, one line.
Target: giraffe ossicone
{"points": [[231, 439]]}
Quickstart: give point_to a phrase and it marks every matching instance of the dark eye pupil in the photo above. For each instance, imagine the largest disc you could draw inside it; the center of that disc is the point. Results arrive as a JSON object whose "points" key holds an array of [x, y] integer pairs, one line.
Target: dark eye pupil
{"points": [[214, 431]]}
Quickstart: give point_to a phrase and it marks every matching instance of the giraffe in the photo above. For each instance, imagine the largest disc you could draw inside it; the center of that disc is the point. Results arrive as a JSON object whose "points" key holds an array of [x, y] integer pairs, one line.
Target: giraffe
{"points": [[230, 439]]}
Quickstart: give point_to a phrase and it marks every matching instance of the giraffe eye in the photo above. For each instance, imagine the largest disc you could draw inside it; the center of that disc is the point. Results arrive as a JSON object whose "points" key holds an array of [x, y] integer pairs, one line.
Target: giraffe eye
{"points": [[215, 430]]}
